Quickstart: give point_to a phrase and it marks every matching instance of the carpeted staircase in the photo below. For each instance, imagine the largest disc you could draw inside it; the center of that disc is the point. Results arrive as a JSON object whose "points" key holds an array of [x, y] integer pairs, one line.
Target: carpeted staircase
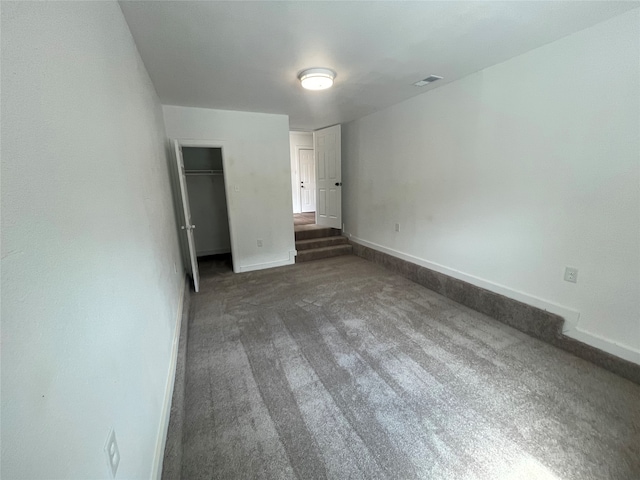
{"points": [[314, 242]]}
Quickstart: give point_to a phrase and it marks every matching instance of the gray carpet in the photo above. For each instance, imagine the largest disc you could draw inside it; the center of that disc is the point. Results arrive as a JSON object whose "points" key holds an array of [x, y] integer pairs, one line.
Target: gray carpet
{"points": [[308, 218], [340, 369]]}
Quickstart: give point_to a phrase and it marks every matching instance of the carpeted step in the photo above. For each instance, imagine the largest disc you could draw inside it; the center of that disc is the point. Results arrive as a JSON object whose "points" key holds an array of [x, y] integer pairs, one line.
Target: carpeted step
{"points": [[306, 232], [323, 252], [320, 242]]}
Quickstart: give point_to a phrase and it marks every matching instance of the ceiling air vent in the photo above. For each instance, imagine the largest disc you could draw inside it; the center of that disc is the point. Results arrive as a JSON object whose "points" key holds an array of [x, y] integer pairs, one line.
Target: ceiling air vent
{"points": [[427, 81]]}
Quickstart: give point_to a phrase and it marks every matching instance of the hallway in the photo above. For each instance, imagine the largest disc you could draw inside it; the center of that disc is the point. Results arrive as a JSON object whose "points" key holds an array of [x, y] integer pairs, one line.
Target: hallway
{"points": [[307, 218]]}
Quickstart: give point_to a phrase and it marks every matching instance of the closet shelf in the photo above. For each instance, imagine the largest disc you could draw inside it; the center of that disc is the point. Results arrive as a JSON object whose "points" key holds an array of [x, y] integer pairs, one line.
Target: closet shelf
{"points": [[203, 172]]}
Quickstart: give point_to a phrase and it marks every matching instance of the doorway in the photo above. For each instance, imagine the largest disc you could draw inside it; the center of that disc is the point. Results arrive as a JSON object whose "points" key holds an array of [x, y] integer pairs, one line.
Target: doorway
{"points": [[302, 167], [316, 176], [307, 169], [316, 179], [206, 224], [207, 198]]}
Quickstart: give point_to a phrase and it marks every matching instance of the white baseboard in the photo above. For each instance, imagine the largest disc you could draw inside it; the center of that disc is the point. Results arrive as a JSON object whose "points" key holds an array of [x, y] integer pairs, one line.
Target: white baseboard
{"points": [[571, 317], [262, 266], [156, 469], [622, 351]]}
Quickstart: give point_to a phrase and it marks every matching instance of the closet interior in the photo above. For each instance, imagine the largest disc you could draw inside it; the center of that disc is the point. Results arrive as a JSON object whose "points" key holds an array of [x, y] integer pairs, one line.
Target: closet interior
{"points": [[207, 200]]}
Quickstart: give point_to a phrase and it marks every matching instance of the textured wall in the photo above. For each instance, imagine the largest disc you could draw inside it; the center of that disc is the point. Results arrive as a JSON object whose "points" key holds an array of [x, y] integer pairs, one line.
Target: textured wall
{"points": [[89, 289], [257, 175], [507, 176]]}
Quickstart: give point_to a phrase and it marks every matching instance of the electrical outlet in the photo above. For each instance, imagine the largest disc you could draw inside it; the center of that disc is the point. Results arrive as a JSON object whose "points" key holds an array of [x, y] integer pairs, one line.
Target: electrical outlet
{"points": [[112, 453], [397, 227], [259, 243], [571, 275]]}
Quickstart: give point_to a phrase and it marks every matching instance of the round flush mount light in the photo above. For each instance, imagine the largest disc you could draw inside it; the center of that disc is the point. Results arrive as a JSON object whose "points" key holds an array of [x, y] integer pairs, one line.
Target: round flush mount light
{"points": [[316, 78]]}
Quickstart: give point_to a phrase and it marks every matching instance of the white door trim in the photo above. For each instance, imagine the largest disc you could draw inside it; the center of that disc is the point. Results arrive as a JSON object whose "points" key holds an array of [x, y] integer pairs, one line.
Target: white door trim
{"points": [[224, 146]]}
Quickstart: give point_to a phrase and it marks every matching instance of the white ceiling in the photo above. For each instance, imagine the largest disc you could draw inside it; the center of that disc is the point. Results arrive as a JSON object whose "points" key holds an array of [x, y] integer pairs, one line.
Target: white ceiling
{"points": [[246, 55]]}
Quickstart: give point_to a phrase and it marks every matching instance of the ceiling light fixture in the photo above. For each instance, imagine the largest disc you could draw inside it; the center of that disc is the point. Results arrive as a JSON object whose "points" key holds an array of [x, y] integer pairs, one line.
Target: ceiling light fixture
{"points": [[316, 78]]}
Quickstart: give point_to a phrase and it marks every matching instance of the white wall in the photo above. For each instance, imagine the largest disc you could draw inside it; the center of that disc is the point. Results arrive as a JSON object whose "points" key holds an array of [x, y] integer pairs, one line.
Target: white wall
{"points": [[296, 141], [89, 291], [507, 176], [257, 175]]}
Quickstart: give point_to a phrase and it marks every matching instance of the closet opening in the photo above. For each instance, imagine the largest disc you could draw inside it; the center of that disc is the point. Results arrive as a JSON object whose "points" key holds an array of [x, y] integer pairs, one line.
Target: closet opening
{"points": [[206, 195]]}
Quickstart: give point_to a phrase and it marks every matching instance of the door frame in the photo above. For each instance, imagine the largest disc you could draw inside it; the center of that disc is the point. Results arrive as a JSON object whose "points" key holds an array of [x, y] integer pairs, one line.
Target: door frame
{"points": [[224, 147], [298, 148]]}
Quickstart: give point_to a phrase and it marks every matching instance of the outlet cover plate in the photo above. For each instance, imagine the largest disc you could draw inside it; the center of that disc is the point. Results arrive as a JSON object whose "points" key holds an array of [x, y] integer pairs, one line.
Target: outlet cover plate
{"points": [[571, 274]]}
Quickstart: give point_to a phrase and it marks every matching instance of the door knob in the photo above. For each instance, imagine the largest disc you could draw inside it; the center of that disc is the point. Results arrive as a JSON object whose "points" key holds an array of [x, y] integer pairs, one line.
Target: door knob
{"points": [[301, 186], [338, 184]]}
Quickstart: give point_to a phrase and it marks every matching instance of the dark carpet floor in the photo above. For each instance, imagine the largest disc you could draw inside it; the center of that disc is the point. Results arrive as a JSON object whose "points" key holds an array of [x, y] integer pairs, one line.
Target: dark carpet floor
{"points": [[340, 369]]}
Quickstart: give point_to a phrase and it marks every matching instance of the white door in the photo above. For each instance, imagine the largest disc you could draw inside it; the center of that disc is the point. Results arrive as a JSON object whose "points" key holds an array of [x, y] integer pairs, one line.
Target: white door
{"points": [[326, 143], [307, 181], [187, 227]]}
